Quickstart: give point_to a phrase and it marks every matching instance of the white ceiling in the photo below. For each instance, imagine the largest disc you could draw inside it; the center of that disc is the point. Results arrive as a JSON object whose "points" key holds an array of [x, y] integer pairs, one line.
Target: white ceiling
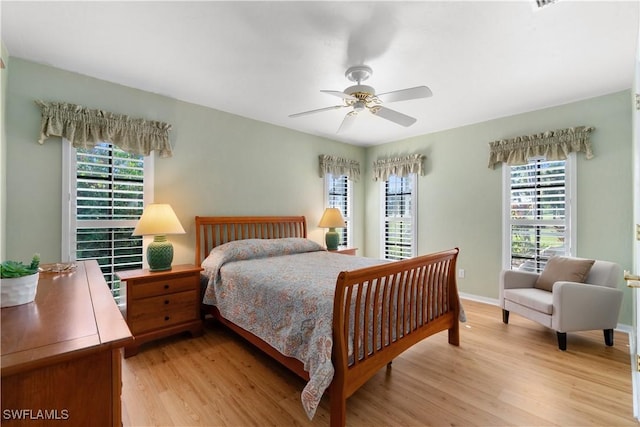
{"points": [[266, 60]]}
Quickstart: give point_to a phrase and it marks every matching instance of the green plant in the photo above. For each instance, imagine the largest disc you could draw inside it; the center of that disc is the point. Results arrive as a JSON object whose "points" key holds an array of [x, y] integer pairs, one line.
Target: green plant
{"points": [[12, 269]]}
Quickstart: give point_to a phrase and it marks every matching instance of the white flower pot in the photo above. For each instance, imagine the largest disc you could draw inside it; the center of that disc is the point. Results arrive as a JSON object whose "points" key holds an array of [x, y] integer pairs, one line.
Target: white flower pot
{"points": [[18, 290]]}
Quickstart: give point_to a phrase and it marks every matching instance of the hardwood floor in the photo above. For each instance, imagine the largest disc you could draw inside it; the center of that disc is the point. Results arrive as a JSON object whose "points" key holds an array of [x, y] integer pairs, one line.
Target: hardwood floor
{"points": [[500, 375]]}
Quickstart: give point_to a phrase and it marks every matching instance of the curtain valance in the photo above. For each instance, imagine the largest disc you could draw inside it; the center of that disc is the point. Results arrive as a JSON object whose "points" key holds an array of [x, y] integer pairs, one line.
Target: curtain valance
{"points": [[84, 128], [399, 166], [552, 145], [339, 166]]}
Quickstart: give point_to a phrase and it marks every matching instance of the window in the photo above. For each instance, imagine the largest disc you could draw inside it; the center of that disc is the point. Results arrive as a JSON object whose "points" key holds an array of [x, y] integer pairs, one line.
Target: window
{"points": [[399, 227], [539, 213], [106, 188], [339, 194]]}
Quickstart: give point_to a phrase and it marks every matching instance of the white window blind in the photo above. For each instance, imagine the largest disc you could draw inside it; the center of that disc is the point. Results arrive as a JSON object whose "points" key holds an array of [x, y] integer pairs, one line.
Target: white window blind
{"points": [[339, 194], [107, 195], [539, 219], [399, 217]]}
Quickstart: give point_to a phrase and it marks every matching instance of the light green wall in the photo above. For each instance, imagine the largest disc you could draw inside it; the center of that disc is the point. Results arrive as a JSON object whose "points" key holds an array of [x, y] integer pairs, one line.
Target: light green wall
{"points": [[460, 198], [228, 165], [222, 164]]}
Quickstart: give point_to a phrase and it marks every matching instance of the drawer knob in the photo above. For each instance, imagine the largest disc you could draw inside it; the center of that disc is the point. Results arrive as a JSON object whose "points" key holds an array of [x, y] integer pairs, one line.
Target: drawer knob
{"points": [[166, 301], [166, 286], [166, 317]]}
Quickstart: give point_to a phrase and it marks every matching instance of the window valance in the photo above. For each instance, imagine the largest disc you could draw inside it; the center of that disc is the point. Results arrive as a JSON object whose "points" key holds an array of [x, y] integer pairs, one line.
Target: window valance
{"points": [[84, 128], [552, 145], [339, 166], [399, 166]]}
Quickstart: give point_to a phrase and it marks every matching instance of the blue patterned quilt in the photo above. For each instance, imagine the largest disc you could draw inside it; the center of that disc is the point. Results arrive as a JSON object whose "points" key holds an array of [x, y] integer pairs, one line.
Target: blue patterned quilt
{"points": [[281, 290]]}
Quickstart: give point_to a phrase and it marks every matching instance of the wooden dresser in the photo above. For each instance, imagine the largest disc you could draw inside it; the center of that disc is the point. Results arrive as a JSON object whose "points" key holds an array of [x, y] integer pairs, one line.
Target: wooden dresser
{"points": [[62, 353], [162, 303]]}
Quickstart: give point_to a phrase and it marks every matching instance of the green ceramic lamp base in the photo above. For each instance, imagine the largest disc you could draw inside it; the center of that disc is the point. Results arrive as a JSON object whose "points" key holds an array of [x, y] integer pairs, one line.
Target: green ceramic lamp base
{"points": [[160, 254], [332, 239]]}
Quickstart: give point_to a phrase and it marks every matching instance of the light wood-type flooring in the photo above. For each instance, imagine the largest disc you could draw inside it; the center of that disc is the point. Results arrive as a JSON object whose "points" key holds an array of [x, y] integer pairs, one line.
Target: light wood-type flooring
{"points": [[501, 375]]}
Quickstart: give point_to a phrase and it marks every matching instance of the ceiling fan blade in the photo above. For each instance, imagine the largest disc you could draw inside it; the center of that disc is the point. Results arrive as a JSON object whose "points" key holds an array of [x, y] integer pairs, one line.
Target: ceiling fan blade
{"points": [[394, 116], [338, 94], [319, 110], [405, 94], [347, 122]]}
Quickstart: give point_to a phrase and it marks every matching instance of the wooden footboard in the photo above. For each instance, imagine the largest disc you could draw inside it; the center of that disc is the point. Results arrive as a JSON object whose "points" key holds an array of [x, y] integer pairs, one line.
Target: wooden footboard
{"points": [[381, 311]]}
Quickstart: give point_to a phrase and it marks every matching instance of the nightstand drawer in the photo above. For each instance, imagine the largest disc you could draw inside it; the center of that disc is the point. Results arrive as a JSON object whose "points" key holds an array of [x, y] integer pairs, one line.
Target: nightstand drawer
{"points": [[143, 289], [161, 311]]}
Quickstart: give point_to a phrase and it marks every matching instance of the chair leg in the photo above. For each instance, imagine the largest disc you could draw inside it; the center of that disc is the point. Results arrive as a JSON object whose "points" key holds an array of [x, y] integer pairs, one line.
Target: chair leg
{"points": [[562, 340], [505, 316], [608, 337]]}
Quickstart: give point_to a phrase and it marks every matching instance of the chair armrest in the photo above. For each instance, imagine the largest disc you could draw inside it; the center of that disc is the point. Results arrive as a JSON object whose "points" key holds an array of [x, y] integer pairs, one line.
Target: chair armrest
{"points": [[512, 279], [581, 307]]}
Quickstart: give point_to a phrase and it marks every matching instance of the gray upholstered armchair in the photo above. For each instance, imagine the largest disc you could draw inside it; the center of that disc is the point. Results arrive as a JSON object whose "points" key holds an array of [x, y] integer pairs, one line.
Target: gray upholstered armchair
{"points": [[571, 294]]}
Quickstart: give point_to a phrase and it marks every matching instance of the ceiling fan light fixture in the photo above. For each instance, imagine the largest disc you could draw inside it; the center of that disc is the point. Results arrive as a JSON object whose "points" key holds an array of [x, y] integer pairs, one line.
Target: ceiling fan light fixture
{"points": [[359, 106]]}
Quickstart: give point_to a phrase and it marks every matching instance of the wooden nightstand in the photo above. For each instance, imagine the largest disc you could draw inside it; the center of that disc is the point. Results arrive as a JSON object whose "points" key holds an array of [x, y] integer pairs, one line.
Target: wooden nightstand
{"points": [[345, 251], [161, 303]]}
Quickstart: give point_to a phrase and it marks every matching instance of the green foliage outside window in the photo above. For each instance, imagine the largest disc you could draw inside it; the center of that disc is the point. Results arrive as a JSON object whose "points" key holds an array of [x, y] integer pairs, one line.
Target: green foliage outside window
{"points": [[538, 212], [109, 190]]}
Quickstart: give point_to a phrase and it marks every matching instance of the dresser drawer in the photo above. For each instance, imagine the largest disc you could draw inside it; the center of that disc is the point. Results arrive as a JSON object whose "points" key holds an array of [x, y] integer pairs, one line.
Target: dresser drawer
{"points": [[153, 287], [161, 311]]}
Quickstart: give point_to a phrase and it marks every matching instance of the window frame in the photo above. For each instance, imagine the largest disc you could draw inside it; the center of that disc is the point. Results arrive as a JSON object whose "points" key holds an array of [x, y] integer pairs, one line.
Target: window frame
{"points": [[69, 206], [570, 173], [348, 230], [413, 218]]}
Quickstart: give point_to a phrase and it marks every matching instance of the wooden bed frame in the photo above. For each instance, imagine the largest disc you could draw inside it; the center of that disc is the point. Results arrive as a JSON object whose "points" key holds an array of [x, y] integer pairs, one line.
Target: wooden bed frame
{"points": [[425, 286]]}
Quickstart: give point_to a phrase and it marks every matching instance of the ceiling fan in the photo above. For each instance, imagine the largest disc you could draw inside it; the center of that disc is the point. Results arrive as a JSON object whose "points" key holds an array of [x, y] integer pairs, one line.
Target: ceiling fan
{"points": [[362, 97]]}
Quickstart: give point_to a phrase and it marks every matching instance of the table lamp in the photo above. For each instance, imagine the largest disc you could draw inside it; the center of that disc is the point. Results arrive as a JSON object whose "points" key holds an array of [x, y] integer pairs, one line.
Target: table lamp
{"points": [[332, 219], [159, 220]]}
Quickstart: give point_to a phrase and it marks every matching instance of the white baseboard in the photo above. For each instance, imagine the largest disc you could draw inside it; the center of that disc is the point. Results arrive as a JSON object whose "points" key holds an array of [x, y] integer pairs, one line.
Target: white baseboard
{"points": [[479, 298]]}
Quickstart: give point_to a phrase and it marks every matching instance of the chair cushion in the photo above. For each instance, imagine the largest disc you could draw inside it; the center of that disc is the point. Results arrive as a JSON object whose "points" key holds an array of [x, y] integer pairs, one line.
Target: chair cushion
{"points": [[535, 299], [565, 269]]}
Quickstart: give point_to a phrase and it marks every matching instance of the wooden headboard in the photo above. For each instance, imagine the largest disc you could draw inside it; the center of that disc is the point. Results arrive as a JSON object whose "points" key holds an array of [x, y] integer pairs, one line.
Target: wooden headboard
{"points": [[212, 231]]}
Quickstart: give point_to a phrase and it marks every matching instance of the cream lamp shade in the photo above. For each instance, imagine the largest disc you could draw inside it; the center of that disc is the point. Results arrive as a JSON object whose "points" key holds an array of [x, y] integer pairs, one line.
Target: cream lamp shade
{"points": [[159, 220], [332, 218]]}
